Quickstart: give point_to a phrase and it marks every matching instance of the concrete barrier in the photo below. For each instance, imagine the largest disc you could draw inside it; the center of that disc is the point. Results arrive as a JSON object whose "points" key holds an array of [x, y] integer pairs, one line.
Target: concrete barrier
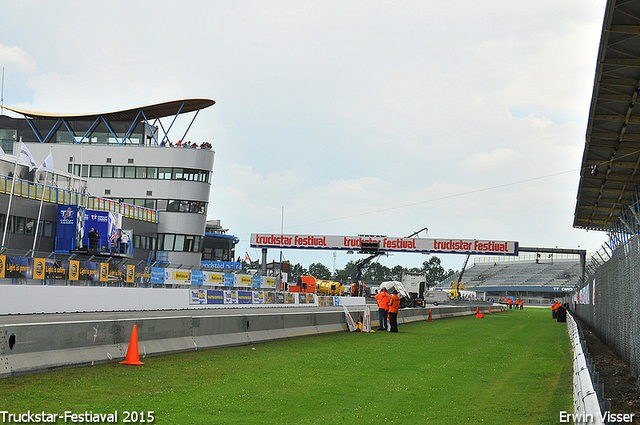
{"points": [[48, 344]]}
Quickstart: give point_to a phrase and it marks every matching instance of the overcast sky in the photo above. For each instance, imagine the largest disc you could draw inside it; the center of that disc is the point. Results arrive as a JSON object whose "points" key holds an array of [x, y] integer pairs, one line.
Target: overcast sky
{"points": [[375, 117]]}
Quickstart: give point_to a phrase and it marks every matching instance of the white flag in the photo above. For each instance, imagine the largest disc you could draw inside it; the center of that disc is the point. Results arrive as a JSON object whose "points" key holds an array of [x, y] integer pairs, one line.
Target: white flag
{"points": [[47, 165], [25, 156]]}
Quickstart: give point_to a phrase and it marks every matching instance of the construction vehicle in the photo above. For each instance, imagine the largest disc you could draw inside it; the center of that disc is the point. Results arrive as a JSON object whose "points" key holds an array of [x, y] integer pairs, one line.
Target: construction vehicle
{"points": [[391, 285], [327, 287], [457, 286]]}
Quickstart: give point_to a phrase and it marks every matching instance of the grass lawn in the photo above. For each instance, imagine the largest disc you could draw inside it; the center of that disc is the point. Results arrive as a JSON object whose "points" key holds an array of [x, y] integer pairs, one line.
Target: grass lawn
{"points": [[512, 367]]}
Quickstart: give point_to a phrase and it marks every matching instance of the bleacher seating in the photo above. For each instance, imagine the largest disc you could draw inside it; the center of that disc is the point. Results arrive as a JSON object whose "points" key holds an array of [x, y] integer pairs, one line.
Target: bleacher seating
{"points": [[556, 273]]}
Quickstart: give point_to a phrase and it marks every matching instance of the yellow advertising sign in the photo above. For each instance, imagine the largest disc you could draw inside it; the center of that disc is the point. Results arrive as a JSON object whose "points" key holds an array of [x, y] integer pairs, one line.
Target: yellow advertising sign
{"points": [[270, 281], [74, 269], [245, 280], [3, 262], [216, 277], [131, 272], [38, 268], [181, 275], [104, 272]]}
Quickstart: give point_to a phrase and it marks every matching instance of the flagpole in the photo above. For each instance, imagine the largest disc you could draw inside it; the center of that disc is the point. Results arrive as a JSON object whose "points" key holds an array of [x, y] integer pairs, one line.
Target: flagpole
{"points": [[44, 188], [6, 219], [35, 237]]}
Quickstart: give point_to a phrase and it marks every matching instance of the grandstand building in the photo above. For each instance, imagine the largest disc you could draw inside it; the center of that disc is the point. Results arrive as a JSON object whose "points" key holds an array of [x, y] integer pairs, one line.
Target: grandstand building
{"points": [[121, 161], [538, 279]]}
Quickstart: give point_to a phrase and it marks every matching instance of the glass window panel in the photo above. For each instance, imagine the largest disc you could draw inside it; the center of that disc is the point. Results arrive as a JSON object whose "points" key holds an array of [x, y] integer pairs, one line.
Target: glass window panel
{"points": [[168, 242], [152, 172], [164, 173], [85, 170], [179, 245], [173, 206], [141, 172], [177, 174], [161, 205], [129, 172], [96, 171], [20, 224], [150, 203], [107, 171], [30, 227], [118, 171]]}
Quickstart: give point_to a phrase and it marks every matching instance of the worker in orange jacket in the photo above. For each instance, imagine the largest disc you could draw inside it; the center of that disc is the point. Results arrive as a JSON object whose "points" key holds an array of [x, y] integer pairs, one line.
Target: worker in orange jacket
{"points": [[554, 307], [394, 306], [383, 309]]}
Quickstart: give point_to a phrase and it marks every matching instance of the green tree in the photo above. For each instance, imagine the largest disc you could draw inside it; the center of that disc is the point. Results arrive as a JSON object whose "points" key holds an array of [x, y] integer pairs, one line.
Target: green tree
{"points": [[296, 271], [347, 275], [434, 271], [396, 272], [375, 274], [319, 271]]}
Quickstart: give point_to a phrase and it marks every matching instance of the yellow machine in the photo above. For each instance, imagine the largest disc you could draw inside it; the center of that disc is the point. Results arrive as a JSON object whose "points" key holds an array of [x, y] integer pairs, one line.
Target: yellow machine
{"points": [[329, 288], [457, 286]]}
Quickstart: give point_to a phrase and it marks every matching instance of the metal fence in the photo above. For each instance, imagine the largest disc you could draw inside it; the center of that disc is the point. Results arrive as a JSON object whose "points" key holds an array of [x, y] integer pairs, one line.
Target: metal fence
{"points": [[610, 302]]}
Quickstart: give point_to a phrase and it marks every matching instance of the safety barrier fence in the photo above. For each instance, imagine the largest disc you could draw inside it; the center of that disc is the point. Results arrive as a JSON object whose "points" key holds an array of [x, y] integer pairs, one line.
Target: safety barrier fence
{"points": [[55, 195], [586, 407], [609, 303]]}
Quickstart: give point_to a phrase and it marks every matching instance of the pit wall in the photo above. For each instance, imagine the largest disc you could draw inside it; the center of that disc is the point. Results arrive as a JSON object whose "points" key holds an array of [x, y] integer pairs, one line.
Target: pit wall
{"points": [[37, 347]]}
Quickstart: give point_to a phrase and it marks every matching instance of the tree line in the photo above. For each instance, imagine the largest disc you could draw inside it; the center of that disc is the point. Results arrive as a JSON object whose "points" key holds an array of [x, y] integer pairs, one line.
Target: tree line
{"points": [[374, 273]]}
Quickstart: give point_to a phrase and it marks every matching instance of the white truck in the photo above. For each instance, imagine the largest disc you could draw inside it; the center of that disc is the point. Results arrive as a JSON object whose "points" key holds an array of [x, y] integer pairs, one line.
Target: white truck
{"points": [[415, 284]]}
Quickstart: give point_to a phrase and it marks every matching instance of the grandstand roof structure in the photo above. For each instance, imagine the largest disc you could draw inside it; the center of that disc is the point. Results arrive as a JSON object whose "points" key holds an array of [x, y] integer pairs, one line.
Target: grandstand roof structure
{"points": [[610, 171], [154, 111]]}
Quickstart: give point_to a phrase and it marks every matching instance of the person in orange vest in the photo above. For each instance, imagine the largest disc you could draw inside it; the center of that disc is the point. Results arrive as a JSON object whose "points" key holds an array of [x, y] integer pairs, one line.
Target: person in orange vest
{"points": [[554, 307], [383, 300], [521, 304], [394, 306], [510, 303]]}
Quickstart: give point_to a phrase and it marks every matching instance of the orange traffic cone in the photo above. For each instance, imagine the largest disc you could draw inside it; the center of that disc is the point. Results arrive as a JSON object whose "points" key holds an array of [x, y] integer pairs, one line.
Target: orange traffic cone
{"points": [[133, 358], [480, 316], [477, 310], [500, 309], [489, 310], [430, 319]]}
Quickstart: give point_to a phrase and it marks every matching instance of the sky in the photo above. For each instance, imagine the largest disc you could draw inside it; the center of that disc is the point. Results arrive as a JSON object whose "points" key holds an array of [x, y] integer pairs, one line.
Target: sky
{"points": [[342, 117]]}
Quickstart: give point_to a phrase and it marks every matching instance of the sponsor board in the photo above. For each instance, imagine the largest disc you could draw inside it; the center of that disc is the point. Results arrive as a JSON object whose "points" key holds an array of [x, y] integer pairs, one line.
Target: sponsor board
{"points": [[386, 244]]}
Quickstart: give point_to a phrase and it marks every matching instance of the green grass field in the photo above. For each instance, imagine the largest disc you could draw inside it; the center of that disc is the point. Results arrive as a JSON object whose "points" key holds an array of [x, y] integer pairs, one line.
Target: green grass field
{"points": [[512, 367]]}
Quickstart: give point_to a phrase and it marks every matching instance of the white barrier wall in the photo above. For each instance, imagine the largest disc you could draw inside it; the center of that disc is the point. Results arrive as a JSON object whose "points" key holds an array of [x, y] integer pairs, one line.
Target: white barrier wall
{"points": [[30, 299]]}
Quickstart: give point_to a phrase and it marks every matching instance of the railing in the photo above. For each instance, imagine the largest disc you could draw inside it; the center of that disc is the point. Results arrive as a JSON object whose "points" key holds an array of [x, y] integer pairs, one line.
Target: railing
{"points": [[55, 195]]}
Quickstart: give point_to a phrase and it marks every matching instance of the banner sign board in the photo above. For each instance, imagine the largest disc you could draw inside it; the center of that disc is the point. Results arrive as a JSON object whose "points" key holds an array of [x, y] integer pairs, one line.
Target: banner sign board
{"points": [[220, 265], [386, 244]]}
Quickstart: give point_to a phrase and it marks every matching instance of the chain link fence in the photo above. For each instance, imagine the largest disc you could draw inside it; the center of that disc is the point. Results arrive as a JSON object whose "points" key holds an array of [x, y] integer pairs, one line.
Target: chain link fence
{"points": [[609, 302]]}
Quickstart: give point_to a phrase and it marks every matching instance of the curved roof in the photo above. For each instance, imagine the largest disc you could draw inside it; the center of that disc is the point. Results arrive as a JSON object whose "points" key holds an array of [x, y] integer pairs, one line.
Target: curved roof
{"points": [[610, 172], [158, 110]]}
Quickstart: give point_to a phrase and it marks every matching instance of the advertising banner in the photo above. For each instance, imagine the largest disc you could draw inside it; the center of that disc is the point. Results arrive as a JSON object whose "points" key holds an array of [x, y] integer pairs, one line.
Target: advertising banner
{"points": [[256, 281], [244, 297], [244, 280], [157, 275], [198, 296], [104, 272], [66, 228], [215, 297], [197, 277], [231, 297], [270, 282], [56, 269], [220, 265], [215, 278], [131, 273], [3, 262], [229, 279], [386, 244], [74, 270], [258, 297], [38, 268]]}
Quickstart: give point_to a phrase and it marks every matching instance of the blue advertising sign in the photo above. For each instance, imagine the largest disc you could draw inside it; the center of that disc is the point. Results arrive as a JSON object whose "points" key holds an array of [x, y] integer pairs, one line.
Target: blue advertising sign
{"points": [[66, 227], [220, 265], [215, 297], [157, 276], [256, 281], [245, 297], [229, 279], [197, 277]]}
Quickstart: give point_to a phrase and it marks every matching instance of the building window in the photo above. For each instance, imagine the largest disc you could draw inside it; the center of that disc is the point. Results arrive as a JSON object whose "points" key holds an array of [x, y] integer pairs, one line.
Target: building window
{"points": [[129, 172], [130, 161], [108, 161], [118, 171], [141, 172]]}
